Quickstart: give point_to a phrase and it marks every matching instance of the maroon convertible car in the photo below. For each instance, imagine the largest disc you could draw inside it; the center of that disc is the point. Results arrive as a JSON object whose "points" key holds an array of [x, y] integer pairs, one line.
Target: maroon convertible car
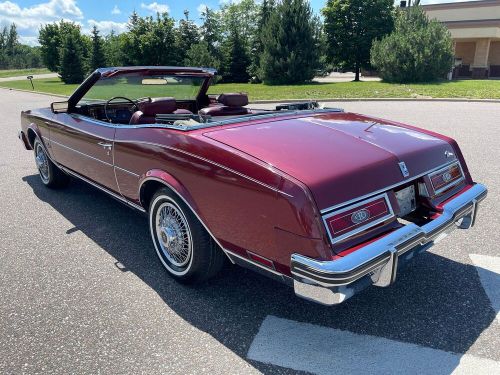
{"points": [[326, 201]]}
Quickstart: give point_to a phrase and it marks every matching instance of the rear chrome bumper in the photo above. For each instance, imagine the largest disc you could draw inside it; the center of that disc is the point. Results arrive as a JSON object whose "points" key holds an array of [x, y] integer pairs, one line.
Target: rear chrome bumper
{"points": [[332, 282]]}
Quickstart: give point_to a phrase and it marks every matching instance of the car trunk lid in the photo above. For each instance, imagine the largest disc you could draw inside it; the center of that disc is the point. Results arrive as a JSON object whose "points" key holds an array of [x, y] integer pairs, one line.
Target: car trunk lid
{"points": [[339, 156]]}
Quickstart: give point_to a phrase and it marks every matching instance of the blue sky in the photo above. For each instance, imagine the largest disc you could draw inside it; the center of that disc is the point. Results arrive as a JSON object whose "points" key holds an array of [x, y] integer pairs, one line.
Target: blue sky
{"points": [[106, 14]]}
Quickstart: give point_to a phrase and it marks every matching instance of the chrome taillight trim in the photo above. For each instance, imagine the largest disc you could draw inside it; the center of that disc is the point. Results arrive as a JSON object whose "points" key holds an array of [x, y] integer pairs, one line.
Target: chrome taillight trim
{"points": [[342, 237], [452, 183]]}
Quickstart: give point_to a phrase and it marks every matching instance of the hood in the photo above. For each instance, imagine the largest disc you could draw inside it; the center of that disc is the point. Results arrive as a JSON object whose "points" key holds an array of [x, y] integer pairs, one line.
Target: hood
{"points": [[339, 156]]}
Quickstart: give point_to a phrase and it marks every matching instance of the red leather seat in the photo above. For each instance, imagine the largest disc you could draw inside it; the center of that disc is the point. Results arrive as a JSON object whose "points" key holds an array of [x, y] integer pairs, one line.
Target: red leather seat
{"points": [[231, 104], [146, 114]]}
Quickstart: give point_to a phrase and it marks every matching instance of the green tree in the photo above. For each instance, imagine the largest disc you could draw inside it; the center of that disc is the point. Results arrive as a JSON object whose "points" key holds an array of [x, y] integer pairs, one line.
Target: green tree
{"points": [[351, 26], [211, 31], [199, 55], [418, 50], [257, 46], [236, 60], [113, 48], [51, 38], [50, 41], [242, 15], [71, 65], [97, 57], [12, 40], [289, 54], [150, 41], [187, 34]]}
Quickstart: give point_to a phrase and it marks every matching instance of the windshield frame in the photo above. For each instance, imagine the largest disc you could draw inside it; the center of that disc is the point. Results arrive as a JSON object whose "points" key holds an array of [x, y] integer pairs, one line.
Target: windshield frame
{"points": [[79, 93], [131, 85]]}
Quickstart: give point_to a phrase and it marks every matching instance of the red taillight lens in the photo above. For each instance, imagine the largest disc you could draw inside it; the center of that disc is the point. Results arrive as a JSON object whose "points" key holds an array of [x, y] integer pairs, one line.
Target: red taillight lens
{"points": [[446, 178], [352, 219]]}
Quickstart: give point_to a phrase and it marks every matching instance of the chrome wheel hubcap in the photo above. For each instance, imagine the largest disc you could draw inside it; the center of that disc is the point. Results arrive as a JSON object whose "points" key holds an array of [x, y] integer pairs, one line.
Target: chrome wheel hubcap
{"points": [[173, 234], [42, 163]]}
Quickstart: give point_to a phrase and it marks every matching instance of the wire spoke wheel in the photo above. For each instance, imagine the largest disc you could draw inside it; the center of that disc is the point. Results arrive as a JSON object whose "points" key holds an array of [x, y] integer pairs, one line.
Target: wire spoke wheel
{"points": [[174, 235], [42, 163]]}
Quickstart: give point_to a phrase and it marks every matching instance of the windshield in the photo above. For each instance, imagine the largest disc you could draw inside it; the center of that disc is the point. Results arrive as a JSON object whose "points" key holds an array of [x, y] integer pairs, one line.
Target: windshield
{"points": [[135, 86]]}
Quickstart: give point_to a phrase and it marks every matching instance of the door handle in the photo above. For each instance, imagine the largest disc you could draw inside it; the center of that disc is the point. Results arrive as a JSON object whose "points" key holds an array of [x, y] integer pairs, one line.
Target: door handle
{"points": [[107, 146]]}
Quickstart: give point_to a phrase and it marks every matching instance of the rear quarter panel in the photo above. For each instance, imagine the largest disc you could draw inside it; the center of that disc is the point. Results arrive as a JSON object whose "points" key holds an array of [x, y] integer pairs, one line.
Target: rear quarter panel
{"points": [[246, 204]]}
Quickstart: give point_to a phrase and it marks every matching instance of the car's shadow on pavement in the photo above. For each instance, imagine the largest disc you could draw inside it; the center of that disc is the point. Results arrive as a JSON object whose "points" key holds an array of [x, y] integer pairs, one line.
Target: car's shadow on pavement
{"points": [[437, 302]]}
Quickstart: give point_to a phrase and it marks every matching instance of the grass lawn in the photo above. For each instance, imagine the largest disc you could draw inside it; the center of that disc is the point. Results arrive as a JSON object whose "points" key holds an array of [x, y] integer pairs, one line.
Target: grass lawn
{"points": [[22, 72], [472, 89]]}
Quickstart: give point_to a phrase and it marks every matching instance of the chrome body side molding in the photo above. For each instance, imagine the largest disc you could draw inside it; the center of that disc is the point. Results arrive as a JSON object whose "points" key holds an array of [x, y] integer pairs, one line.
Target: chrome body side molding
{"points": [[109, 192], [332, 282]]}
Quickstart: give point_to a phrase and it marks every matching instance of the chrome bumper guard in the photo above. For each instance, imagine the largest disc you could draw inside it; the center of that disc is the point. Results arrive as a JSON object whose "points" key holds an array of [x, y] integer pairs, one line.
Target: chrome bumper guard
{"points": [[332, 282]]}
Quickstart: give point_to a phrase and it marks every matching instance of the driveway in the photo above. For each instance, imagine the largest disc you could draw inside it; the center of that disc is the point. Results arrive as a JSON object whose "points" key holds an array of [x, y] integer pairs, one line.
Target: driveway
{"points": [[83, 292]]}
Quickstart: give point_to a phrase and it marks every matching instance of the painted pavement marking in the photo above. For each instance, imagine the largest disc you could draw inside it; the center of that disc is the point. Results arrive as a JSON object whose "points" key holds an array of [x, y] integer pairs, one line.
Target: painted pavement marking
{"points": [[322, 350], [488, 268]]}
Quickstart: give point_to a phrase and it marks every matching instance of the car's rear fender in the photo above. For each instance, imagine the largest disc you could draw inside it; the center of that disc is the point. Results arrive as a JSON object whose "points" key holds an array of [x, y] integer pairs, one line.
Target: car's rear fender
{"points": [[154, 179]]}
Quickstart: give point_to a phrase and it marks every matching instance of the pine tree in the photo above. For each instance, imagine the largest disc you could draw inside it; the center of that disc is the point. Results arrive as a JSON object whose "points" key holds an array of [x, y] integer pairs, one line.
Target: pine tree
{"points": [[236, 60], [290, 54], [71, 65], [257, 47], [97, 57]]}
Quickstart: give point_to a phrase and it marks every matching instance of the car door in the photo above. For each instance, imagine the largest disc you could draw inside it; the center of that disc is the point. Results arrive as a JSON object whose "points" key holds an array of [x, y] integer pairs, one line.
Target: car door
{"points": [[85, 146]]}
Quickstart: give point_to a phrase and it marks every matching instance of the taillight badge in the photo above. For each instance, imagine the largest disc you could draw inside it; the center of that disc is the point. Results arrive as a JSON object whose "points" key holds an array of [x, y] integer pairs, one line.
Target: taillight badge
{"points": [[360, 216]]}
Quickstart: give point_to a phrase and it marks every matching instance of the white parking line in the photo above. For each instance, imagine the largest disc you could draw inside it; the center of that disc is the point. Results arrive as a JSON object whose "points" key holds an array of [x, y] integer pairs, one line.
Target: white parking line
{"points": [[488, 268], [321, 350]]}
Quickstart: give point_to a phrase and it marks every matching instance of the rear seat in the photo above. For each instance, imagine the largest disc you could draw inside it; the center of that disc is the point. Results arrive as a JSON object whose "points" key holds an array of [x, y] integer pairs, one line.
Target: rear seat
{"points": [[146, 114], [231, 104]]}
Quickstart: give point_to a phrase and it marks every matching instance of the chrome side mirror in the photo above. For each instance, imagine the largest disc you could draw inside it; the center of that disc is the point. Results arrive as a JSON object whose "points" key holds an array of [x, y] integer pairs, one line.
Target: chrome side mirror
{"points": [[59, 107]]}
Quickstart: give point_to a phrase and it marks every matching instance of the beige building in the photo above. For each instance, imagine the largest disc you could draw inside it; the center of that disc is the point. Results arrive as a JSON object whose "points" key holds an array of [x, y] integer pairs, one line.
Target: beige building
{"points": [[475, 28]]}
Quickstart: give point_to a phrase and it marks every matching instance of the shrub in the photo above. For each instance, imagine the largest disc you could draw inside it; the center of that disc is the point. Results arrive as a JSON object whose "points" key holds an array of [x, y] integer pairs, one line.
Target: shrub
{"points": [[418, 49]]}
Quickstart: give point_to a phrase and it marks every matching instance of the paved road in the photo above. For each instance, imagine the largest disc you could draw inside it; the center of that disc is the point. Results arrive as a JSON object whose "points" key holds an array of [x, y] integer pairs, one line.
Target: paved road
{"points": [[35, 76], [82, 291]]}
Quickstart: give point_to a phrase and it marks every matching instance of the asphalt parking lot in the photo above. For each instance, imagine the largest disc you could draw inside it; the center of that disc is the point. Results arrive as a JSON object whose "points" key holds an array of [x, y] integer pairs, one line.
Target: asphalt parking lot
{"points": [[83, 292]]}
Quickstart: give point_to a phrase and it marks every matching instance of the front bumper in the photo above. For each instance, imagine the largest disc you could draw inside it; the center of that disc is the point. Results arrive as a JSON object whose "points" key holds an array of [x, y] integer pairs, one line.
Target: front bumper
{"points": [[332, 282]]}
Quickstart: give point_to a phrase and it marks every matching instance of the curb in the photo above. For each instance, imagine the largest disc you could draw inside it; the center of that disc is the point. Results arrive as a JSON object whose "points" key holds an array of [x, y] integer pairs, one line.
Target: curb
{"points": [[459, 100], [34, 92]]}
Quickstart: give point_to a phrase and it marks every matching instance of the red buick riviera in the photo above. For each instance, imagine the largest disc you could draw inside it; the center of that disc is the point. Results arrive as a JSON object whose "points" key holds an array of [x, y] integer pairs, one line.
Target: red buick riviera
{"points": [[326, 201]]}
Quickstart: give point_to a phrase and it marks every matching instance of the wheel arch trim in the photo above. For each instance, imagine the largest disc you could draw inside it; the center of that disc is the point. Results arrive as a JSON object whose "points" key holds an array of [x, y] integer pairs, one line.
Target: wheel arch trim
{"points": [[174, 185]]}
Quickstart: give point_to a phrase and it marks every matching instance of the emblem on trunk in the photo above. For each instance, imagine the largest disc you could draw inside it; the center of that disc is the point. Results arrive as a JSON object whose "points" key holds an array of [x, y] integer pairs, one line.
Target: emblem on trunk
{"points": [[403, 168], [448, 154], [360, 216]]}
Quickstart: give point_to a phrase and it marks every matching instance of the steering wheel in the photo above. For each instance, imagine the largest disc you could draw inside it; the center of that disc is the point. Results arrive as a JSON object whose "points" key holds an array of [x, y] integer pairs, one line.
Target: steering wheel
{"points": [[134, 105]]}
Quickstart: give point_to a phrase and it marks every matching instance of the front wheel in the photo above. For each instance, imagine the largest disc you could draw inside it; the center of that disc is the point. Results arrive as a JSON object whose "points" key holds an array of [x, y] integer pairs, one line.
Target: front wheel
{"points": [[50, 174], [184, 247]]}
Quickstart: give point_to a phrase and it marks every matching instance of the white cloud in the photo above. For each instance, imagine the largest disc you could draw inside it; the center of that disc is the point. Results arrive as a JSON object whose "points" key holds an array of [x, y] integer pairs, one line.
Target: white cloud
{"points": [[155, 7], [29, 40], [116, 10], [201, 8], [105, 27], [29, 19]]}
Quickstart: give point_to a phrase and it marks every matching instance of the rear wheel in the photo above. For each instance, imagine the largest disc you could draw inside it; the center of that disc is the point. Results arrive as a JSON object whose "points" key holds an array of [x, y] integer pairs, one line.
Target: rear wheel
{"points": [[184, 247], [50, 174]]}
